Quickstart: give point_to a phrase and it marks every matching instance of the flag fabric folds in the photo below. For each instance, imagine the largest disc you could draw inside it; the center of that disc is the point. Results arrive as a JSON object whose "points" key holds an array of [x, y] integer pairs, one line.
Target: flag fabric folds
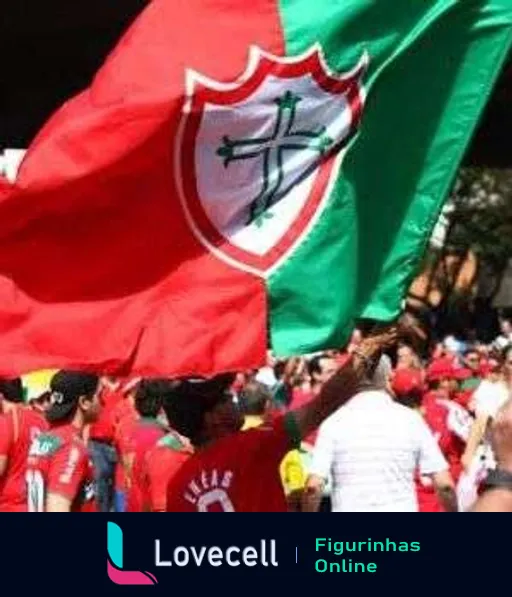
{"points": [[241, 177]]}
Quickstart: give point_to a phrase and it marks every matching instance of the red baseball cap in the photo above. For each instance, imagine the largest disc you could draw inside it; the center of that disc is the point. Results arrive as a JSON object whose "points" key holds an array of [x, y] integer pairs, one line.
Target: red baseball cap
{"points": [[462, 373], [405, 381], [442, 368], [488, 366]]}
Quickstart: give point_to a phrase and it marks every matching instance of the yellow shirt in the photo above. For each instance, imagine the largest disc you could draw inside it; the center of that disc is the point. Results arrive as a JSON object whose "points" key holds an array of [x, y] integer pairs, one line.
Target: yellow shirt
{"points": [[252, 421], [293, 474], [292, 471]]}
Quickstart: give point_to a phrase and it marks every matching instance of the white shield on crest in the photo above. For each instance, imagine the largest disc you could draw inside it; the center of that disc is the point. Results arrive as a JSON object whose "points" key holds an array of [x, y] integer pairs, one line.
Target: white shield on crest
{"points": [[256, 159]]}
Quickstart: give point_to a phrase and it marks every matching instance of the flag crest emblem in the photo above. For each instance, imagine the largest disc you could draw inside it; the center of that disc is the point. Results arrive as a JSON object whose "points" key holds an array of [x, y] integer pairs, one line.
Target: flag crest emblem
{"points": [[256, 159]]}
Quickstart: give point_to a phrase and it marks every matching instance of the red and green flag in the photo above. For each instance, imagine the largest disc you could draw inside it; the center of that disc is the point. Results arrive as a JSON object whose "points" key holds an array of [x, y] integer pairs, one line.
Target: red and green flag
{"points": [[241, 176]]}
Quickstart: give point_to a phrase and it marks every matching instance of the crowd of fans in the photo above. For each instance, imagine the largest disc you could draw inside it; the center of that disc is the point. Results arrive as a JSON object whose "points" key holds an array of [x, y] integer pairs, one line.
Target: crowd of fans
{"points": [[365, 426]]}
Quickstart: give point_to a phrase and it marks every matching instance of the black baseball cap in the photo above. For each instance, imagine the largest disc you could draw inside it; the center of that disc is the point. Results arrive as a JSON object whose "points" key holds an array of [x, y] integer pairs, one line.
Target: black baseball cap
{"points": [[66, 387], [191, 399]]}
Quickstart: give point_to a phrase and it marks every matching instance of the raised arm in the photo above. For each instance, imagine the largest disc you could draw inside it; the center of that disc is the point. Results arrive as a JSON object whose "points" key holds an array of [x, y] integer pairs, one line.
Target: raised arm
{"points": [[476, 435], [345, 382]]}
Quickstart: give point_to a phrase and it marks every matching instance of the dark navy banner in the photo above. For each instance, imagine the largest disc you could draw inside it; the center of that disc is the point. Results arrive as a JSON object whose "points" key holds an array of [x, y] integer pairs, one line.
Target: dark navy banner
{"points": [[405, 554]]}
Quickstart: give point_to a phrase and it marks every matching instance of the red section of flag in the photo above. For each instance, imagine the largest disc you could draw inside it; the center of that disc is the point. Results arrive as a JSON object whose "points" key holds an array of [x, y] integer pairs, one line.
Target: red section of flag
{"points": [[98, 267]]}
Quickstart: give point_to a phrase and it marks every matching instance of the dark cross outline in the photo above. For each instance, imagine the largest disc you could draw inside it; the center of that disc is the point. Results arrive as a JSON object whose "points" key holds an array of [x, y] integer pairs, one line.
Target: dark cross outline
{"points": [[273, 154]]}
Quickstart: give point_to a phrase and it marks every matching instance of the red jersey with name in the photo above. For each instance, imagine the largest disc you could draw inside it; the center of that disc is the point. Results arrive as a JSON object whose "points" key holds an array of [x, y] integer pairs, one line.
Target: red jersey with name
{"points": [[18, 429], [59, 463], [239, 473], [144, 435], [161, 464]]}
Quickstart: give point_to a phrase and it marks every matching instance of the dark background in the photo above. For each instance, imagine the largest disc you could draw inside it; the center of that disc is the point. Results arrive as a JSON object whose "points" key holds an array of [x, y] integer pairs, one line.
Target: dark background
{"points": [[67, 555], [50, 49]]}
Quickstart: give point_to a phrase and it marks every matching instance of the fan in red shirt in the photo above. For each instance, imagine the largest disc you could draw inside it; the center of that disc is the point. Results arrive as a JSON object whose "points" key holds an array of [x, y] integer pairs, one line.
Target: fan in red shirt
{"points": [[18, 427], [448, 419], [101, 443], [233, 471], [442, 379], [161, 464], [145, 432], [155, 468], [449, 422], [59, 473], [451, 425], [124, 416]]}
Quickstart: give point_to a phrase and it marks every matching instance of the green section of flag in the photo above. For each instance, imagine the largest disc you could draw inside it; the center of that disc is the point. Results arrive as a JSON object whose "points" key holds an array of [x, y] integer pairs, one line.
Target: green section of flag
{"points": [[433, 65]]}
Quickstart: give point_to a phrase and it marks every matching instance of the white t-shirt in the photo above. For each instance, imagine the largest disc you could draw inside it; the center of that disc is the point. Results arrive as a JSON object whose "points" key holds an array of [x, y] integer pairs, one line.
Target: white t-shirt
{"points": [[372, 447], [489, 397]]}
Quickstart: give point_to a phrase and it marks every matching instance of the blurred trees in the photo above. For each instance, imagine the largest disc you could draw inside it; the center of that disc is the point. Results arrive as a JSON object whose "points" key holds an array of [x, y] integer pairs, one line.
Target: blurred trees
{"points": [[469, 253], [480, 220]]}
